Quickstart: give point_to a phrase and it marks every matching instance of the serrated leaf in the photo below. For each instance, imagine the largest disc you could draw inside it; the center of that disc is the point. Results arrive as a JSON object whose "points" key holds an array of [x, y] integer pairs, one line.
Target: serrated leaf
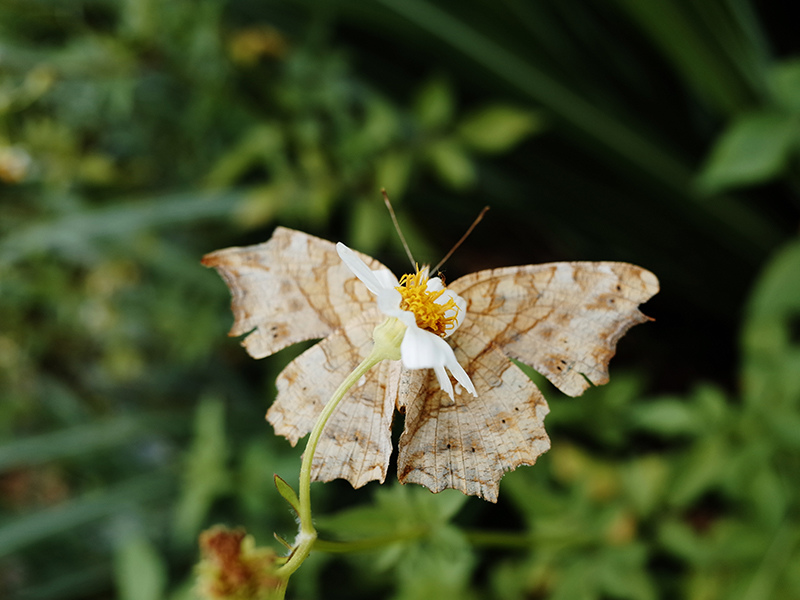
{"points": [[753, 149], [498, 128], [285, 490]]}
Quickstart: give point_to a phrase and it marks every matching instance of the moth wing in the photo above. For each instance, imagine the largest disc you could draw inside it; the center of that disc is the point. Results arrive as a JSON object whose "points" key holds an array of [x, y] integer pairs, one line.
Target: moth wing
{"points": [[562, 319], [356, 442], [292, 288], [469, 443]]}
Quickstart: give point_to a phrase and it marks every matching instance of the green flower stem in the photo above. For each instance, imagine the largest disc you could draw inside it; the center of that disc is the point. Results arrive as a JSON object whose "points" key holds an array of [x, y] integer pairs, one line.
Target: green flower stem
{"points": [[306, 525], [308, 534], [388, 336]]}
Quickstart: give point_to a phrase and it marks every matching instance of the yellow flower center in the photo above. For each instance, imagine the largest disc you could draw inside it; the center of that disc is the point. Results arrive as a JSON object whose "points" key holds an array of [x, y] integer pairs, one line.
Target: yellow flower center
{"points": [[429, 314]]}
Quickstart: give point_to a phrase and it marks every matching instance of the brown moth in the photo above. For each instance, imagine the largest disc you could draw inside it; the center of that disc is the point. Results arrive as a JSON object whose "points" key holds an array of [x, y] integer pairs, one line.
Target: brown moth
{"points": [[563, 319]]}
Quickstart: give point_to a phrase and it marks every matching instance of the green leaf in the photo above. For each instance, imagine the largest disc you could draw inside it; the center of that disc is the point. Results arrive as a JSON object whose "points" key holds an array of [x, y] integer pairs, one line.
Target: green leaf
{"points": [[667, 417], [769, 495], [623, 573], [399, 510], [678, 538], [258, 146], [753, 149], [498, 128], [438, 567], [777, 291], [392, 172], [771, 355], [452, 164], [379, 128], [434, 105], [282, 541], [645, 481], [409, 526], [368, 225], [574, 583], [701, 470], [140, 571], [785, 424], [285, 490], [784, 80]]}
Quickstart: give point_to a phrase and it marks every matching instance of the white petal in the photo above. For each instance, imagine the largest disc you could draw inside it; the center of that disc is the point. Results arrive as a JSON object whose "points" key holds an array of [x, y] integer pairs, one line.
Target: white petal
{"points": [[422, 349], [444, 381], [434, 284], [461, 376], [389, 302], [386, 279], [359, 268]]}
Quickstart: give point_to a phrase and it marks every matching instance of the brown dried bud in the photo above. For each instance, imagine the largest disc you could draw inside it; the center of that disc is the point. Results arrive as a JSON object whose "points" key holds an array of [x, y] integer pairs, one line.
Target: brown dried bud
{"points": [[232, 568]]}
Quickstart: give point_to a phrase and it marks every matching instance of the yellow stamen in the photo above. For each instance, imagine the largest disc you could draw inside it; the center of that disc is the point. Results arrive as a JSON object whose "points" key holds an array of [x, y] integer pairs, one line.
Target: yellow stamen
{"points": [[422, 302]]}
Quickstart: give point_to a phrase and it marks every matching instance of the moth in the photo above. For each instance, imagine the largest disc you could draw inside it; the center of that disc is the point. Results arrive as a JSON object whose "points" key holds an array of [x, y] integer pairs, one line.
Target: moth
{"points": [[563, 319]]}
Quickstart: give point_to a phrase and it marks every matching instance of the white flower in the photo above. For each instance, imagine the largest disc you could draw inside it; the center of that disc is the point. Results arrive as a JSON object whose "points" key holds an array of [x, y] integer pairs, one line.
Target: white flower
{"points": [[429, 311]]}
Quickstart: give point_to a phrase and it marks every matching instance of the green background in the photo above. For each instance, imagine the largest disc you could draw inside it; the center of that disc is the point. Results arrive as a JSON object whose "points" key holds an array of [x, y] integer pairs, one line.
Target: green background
{"points": [[137, 135]]}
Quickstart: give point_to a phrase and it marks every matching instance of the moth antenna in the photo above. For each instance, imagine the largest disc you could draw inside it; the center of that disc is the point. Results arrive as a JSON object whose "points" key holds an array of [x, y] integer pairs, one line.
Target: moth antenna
{"points": [[461, 241], [397, 227]]}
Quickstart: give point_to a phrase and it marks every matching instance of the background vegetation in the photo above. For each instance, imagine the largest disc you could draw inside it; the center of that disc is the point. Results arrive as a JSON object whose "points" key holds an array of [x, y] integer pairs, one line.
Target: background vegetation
{"points": [[136, 135]]}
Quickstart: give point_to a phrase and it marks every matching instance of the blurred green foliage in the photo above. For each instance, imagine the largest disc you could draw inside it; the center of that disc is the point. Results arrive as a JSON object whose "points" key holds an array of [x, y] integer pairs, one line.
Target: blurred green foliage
{"points": [[137, 135]]}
